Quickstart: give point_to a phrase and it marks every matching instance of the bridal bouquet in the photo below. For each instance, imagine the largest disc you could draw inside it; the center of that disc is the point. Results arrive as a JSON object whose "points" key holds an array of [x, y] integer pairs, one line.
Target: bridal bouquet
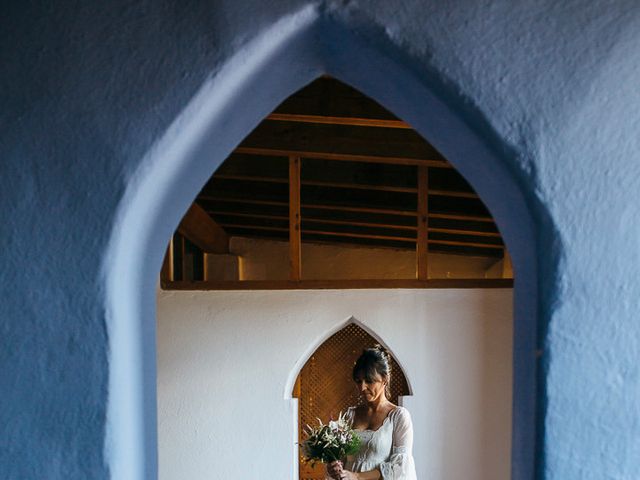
{"points": [[331, 442]]}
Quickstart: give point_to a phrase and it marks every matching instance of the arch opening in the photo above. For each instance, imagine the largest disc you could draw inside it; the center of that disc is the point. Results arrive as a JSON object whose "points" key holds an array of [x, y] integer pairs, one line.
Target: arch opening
{"points": [[282, 60], [323, 385]]}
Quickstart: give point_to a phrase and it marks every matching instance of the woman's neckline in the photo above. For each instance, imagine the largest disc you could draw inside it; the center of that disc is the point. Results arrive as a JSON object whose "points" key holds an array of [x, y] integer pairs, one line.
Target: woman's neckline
{"points": [[383, 421]]}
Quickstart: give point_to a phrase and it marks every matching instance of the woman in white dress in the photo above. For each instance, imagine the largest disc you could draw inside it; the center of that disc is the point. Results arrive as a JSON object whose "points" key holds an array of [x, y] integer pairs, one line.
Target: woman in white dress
{"points": [[385, 429]]}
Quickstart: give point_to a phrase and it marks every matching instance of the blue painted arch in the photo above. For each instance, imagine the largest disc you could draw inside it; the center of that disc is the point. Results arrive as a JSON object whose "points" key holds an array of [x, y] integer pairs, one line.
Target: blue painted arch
{"points": [[283, 59]]}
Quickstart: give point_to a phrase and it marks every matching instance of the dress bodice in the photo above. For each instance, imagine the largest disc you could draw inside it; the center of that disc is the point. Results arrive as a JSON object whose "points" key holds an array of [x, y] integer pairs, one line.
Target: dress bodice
{"points": [[389, 448]]}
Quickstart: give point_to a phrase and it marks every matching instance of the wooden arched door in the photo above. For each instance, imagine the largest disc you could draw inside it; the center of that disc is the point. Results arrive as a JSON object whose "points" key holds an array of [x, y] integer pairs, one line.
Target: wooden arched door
{"points": [[324, 386]]}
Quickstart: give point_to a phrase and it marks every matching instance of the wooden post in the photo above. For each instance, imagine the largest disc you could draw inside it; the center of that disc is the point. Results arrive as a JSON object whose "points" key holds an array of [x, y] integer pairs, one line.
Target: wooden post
{"points": [[166, 273], [422, 244], [184, 264], [295, 236]]}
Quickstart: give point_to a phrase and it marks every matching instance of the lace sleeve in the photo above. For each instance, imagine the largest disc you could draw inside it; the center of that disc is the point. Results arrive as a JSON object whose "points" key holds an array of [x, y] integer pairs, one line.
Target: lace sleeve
{"points": [[400, 465]]}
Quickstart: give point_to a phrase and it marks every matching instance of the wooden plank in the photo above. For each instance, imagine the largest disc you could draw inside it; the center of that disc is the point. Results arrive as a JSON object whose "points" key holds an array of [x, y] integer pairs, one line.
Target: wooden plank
{"points": [[361, 235], [466, 244], [344, 208], [314, 220], [201, 230], [250, 178], [328, 120], [347, 185], [184, 264], [344, 157], [456, 216], [507, 265], [295, 230], [454, 231], [299, 137], [453, 193], [457, 231], [339, 284], [166, 272], [322, 232], [422, 245], [317, 183]]}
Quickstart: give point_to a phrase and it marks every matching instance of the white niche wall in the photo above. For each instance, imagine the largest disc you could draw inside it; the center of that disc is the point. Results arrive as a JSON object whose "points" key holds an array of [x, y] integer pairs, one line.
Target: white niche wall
{"points": [[227, 362]]}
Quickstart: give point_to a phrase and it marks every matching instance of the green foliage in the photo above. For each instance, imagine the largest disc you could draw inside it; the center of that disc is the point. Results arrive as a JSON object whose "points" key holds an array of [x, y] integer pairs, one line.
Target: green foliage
{"points": [[331, 442]]}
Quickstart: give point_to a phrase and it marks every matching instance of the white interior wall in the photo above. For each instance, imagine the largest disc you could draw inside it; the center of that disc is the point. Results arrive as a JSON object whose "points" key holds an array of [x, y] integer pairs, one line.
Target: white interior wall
{"points": [[227, 361], [269, 260]]}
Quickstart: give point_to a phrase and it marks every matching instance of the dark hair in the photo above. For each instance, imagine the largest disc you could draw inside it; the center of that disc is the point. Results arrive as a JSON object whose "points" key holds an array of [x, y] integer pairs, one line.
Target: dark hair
{"points": [[373, 361]]}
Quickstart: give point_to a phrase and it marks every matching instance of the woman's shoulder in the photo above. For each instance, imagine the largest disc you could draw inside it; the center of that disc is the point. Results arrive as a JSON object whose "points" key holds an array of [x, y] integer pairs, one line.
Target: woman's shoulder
{"points": [[400, 413]]}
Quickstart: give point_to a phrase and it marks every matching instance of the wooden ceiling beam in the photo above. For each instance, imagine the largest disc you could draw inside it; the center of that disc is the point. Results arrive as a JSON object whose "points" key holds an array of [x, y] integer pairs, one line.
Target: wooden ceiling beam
{"points": [[355, 186], [328, 120], [317, 183], [320, 232], [454, 231], [314, 220], [203, 231], [466, 244], [340, 284], [464, 217], [362, 235], [344, 157], [452, 193], [343, 208]]}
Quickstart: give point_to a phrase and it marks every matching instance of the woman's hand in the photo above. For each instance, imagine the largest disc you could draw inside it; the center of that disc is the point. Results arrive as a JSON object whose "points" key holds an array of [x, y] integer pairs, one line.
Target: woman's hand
{"points": [[334, 469]]}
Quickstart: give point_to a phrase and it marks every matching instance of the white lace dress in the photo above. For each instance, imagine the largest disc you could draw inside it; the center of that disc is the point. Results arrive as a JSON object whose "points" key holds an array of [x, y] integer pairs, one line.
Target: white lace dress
{"points": [[389, 448]]}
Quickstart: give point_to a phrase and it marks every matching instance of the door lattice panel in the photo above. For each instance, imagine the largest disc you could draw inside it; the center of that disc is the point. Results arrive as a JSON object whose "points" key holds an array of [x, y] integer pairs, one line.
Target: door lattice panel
{"points": [[325, 387]]}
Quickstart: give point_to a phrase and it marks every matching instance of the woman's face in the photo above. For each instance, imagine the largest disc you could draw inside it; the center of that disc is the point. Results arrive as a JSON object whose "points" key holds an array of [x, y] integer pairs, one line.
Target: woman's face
{"points": [[373, 390]]}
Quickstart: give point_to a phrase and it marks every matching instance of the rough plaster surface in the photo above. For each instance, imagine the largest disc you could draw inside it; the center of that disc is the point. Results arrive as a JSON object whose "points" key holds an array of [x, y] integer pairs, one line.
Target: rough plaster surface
{"points": [[227, 362], [87, 90]]}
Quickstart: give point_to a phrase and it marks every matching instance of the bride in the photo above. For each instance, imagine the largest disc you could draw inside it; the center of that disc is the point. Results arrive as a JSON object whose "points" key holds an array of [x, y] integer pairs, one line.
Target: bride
{"points": [[385, 429]]}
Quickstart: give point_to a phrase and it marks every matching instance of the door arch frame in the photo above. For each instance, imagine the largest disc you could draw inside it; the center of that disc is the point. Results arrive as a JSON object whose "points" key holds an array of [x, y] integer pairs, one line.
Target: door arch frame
{"points": [[317, 343], [276, 63]]}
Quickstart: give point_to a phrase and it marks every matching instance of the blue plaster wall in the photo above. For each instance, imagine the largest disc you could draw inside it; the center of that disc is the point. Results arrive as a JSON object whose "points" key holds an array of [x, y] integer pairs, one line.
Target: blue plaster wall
{"points": [[87, 90]]}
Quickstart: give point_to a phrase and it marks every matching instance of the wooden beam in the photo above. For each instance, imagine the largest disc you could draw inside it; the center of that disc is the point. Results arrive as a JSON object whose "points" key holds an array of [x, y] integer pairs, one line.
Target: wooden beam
{"points": [[184, 264], [458, 231], [363, 235], [295, 240], [343, 208], [317, 183], [314, 220], [201, 230], [323, 233], [166, 272], [354, 186], [454, 231], [461, 243], [327, 120], [339, 284], [453, 193], [455, 216], [344, 157], [422, 245]]}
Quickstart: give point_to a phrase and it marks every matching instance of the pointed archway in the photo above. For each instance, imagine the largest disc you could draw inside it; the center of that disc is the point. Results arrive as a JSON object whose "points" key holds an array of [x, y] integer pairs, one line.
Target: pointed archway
{"points": [[324, 387], [278, 62]]}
